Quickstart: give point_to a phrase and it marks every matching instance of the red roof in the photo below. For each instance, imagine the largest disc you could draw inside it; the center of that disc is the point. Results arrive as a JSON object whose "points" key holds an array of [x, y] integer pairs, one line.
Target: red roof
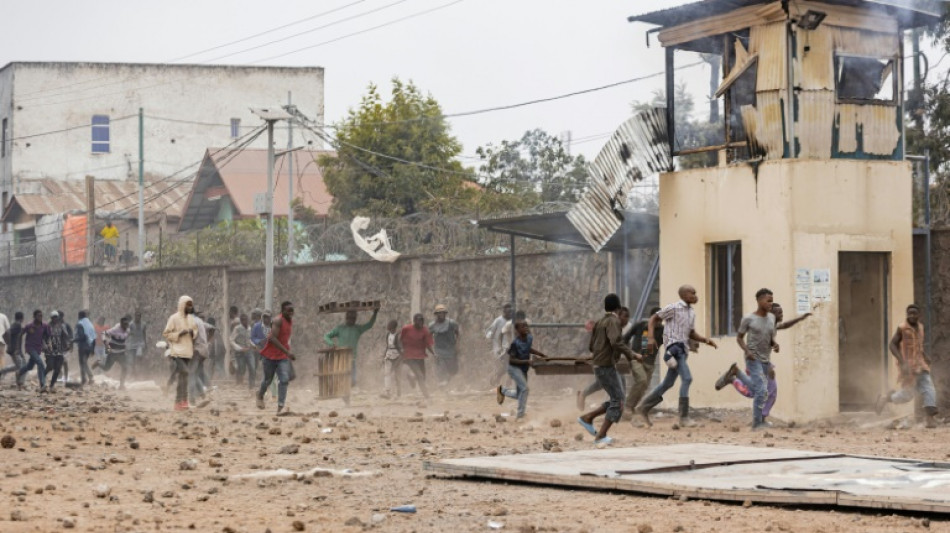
{"points": [[241, 176]]}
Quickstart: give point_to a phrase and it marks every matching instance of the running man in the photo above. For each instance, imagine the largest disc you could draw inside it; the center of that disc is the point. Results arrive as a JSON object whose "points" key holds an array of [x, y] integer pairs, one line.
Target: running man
{"points": [[741, 384], [679, 322], [519, 361], [180, 333], [35, 339], [500, 344], [277, 357], [907, 346]]}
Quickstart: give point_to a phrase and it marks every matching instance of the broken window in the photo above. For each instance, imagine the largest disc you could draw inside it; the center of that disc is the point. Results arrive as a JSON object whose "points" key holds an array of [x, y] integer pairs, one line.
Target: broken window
{"points": [[725, 301], [865, 79]]}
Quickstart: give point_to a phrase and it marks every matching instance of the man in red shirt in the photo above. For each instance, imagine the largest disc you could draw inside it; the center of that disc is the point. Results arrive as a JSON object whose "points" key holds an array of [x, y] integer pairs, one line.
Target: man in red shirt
{"points": [[417, 343], [276, 357]]}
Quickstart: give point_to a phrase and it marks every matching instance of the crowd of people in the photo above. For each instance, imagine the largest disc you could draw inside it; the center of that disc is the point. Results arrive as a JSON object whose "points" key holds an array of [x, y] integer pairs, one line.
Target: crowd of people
{"points": [[261, 344]]}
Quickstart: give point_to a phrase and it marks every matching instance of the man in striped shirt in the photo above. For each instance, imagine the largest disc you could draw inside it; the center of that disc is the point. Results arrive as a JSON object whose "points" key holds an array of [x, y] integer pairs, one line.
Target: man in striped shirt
{"points": [[679, 320]]}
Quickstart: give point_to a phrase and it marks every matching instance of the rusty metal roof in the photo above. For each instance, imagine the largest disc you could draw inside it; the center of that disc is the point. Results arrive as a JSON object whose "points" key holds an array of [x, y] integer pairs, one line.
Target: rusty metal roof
{"points": [[240, 176], [113, 198], [910, 13]]}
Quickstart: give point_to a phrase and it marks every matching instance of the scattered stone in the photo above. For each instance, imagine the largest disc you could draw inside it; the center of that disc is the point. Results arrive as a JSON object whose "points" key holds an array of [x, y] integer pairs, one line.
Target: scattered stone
{"points": [[134, 445], [556, 423], [678, 528], [298, 525], [644, 528], [353, 521], [499, 511], [102, 491], [468, 421], [214, 463], [190, 464], [334, 414], [149, 497], [16, 515], [378, 518], [7, 442], [274, 430], [69, 523], [747, 503], [289, 449]]}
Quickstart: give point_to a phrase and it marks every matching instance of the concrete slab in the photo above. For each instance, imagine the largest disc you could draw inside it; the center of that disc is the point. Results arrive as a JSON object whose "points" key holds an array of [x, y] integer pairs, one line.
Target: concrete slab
{"points": [[727, 473]]}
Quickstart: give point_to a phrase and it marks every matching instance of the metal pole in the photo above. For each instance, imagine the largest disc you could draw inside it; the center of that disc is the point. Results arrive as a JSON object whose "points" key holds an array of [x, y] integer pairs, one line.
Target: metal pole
{"points": [[90, 220], [141, 247], [161, 238], [290, 182], [269, 247], [514, 306], [928, 273]]}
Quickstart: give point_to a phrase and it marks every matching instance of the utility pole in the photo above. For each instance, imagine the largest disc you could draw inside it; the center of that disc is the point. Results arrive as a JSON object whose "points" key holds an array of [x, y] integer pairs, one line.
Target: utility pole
{"points": [[90, 218], [270, 116], [141, 247], [290, 181]]}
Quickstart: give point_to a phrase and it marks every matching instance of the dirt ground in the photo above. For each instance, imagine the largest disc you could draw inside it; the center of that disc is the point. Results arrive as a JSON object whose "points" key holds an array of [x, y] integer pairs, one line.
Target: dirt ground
{"points": [[103, 460]]}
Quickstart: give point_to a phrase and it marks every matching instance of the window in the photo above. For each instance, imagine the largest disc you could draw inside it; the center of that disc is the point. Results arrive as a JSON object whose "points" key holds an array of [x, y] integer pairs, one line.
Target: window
{"points": [[3, 142], [863, 80], [100, 134], [725, 300], [235, 128]]}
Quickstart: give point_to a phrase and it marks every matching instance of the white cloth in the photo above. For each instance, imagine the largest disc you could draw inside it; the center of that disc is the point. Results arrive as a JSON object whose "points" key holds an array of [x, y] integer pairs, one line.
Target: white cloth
{"points": [[181, 345], [678, 322], [377, 246], [4, 326], [500, 338]]}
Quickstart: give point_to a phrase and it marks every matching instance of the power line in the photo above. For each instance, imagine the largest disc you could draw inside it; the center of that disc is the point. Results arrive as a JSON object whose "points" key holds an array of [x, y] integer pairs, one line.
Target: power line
{"points": [[64, 130], [272, 30], [390, 23], [51, 89], [519, 104], [241, 142], [334, 23]]}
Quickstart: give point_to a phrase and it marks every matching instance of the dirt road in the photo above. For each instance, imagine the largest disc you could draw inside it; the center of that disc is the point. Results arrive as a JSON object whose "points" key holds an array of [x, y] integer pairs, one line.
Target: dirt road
{"points": [[102, 460]]}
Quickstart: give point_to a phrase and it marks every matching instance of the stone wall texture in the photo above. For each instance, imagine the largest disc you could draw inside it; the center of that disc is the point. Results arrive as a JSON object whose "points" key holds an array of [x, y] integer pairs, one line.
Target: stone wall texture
{"points": [[563, 287]]}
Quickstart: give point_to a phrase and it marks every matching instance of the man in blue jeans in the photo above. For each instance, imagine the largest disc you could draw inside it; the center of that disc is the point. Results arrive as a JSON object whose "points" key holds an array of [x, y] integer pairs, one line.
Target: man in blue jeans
{"points": [[606, 346], [36, 336], [277, 356], [519, 361], [679, 321], [756, 337]]}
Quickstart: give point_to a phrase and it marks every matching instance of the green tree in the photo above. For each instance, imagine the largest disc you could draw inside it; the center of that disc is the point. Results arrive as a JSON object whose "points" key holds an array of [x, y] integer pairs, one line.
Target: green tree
{"points": [[535, 168], [410, 127]]}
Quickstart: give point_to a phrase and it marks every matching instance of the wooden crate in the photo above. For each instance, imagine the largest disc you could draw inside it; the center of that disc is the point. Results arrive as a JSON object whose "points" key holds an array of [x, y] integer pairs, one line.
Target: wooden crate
{"points": [[334, 372]]}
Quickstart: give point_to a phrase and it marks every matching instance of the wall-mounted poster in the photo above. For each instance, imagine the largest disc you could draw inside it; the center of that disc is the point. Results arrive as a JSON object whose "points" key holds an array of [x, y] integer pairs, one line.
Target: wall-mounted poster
{"points": [[821, 285]]}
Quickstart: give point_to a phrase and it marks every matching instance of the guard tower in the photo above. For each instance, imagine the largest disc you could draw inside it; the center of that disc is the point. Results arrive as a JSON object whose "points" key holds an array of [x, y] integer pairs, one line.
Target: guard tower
{"points": [[811, 196]]}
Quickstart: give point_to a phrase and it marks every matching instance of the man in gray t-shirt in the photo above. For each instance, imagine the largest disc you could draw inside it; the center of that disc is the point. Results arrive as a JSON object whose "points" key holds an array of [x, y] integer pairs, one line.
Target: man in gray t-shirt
{"points": [[757, 339]]}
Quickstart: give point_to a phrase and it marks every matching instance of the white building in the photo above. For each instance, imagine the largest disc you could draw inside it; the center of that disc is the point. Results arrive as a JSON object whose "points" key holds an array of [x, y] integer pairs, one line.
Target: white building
{"points": [[68, 120]]}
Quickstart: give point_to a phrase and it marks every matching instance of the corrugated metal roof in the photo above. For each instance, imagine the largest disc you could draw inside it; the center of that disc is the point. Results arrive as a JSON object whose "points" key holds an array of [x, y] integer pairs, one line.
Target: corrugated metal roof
{"points": [[119, 198], [638, 148], [642, 230], [244, 175], [910, 13]]}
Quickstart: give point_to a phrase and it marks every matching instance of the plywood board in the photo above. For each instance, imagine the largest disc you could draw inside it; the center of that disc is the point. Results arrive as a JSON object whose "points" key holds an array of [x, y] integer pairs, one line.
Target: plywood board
{"points": [[727, 473]]}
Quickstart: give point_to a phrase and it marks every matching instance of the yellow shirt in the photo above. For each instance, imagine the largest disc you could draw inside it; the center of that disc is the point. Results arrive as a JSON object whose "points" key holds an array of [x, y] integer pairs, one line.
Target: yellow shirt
{"points": [[110, 234]]}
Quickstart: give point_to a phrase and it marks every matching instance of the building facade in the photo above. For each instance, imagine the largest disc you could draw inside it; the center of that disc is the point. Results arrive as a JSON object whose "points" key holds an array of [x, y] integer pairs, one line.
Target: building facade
{"points": [[68, 120], [812, 196]]}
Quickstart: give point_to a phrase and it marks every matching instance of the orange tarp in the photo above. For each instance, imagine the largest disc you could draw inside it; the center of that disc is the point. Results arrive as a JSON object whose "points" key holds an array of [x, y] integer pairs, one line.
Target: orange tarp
{"points": [[74, 240]]}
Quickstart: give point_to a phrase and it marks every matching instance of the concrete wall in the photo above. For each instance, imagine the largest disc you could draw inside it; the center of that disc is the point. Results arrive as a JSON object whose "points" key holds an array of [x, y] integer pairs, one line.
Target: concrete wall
{"points": [[552, 287], [52, 96], [788, 215]]}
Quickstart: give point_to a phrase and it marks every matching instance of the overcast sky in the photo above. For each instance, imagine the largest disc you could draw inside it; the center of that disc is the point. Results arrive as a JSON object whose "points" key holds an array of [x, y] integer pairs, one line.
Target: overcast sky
{"points": [[468, 54]]}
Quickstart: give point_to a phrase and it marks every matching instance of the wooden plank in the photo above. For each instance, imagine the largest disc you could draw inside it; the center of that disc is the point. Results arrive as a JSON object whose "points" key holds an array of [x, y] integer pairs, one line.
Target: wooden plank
{"points": [[739, 19]]}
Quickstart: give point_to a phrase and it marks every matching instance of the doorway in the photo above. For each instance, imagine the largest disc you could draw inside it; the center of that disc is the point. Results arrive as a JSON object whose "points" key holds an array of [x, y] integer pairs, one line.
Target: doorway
{"points": [[862, 328]]}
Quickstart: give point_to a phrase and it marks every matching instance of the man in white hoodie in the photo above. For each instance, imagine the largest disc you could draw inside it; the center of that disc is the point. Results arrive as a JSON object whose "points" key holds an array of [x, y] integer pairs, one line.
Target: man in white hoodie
{"points": [[180, 332]]}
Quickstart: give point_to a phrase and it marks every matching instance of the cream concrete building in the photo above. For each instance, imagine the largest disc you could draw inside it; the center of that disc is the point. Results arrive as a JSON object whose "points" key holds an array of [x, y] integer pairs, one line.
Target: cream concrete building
{"points": [[68, 120], [811, 198]]}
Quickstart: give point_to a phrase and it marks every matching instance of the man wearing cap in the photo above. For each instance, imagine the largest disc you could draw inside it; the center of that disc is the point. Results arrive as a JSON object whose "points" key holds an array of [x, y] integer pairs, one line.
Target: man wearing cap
{"points": [[347, 335], [445, 333]]}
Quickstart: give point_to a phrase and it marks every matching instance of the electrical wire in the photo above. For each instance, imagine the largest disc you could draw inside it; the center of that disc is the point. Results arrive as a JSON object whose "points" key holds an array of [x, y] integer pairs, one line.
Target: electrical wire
{"points": [[328, 25], [261, 34], [64, 130], [385, 24]]}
